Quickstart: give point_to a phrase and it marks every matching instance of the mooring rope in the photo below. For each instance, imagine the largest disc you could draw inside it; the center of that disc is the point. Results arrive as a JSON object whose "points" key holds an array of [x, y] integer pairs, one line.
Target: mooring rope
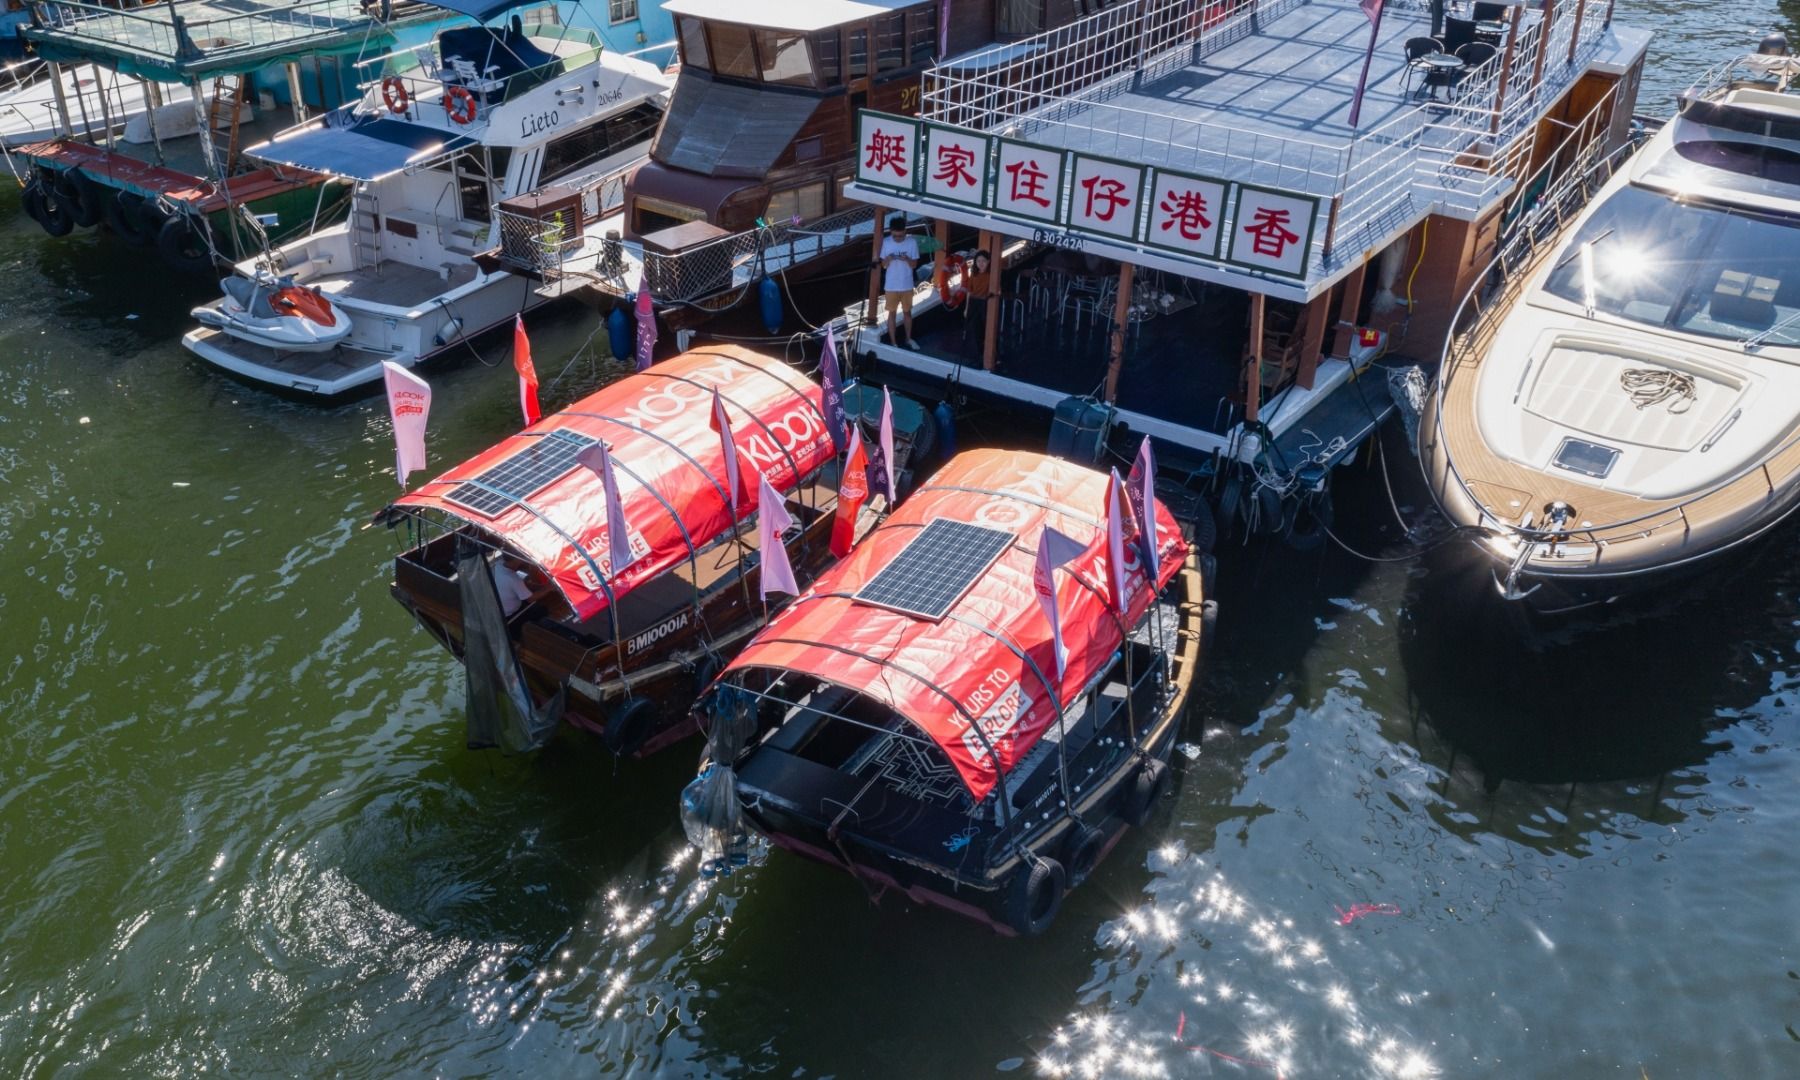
{"points": [[1653, 386]]}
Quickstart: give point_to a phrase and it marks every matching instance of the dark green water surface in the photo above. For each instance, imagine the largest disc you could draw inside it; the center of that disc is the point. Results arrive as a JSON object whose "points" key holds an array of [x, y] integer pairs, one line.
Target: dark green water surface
{"points": [[240, 835]]}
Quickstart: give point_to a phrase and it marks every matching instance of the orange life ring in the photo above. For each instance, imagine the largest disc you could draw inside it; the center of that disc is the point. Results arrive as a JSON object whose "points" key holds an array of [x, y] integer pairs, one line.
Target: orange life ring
{"points": [[952, 297], [393, 92], [460, 104]]}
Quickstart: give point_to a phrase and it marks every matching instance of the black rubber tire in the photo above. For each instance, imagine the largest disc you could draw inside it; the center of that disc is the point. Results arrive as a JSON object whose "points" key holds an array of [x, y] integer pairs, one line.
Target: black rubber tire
{"points": [[31, 200], [84, 197], [629, 726], [183, 246], [1209, 628], [1229, 498], [1034, 897], [1147, 789], [126, 217], [55, 215], [706, 669], [1310, 523], [1082, 852], [1204, 528], [1271, 515]]}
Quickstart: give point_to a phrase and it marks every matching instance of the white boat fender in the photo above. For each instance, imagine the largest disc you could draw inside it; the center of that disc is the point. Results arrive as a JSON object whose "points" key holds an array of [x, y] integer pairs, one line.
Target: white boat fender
{"points": [[1035, 896]]}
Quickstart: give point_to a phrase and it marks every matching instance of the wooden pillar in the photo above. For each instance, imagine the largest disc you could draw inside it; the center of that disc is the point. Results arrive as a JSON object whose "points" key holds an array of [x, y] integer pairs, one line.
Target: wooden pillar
{"points": [[1253, 387], [940, 231], [1537, 63], [1345, 331], [1316, 317], [1121, 312], [294, 97], [990, 339], [1512, 45], [1575, 34]]}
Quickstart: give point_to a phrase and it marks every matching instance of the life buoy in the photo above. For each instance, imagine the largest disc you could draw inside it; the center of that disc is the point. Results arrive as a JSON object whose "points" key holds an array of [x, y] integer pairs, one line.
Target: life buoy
{"points": [[393, 92], [952, 297], [1034, 897], [460, 105]]}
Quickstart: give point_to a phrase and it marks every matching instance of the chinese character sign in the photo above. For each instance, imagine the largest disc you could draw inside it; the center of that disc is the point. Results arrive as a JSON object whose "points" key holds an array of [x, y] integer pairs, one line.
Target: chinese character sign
{"points": [[1104, 196], [956, 164], [1029, 181], [1186, 214], [887, 151], [1272, 231]]}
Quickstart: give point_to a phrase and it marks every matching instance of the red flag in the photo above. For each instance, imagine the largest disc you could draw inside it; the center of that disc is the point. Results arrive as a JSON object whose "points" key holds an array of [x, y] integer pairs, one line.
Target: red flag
{"points": [[1054, 549], [773, 519], [598, 458], [409, 406], [528, 396], [887, 443], [736, 493], [1115, 543], [853, 488]]}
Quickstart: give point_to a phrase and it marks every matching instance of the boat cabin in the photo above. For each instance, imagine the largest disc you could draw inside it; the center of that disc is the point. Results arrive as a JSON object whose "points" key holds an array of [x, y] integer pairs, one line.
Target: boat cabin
{"points": [[761, 124]]}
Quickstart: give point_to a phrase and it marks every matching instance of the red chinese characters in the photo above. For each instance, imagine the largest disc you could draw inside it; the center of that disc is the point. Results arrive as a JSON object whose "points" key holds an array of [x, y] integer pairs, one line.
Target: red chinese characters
{"points": [[1269, 227], [887, 151], [1186, 213], [1106, 196], [953, 166], [1272, 230], [1029, 181]]}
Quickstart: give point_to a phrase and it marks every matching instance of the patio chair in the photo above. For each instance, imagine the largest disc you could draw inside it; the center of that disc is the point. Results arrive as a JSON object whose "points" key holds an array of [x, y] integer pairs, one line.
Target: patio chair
{"points": [[1474, 55], [1457, 33], [1417, 49], [1489, 12]]}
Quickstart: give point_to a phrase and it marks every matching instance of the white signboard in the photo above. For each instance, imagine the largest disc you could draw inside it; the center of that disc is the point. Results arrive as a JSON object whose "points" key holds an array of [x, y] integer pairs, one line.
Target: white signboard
{"points": [[1272, 230], [888, 151], [1104, 196], [1187, 214], [956, 164], [1029, 180]]}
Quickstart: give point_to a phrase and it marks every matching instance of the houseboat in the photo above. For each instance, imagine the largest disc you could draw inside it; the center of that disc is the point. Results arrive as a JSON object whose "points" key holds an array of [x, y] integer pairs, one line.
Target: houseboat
{"points": [[746, 179], [507, 559], [1205, 223], [1626, 404], [915, 719], [480, 113]]}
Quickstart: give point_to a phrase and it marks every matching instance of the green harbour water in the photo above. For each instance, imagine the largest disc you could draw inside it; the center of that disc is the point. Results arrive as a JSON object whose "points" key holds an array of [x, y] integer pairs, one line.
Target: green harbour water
{"points": [[240, 834]]}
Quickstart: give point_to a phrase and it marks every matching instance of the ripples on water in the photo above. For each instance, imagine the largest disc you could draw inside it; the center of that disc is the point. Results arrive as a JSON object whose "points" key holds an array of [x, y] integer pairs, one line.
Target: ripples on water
{"points": [[238, 831]]}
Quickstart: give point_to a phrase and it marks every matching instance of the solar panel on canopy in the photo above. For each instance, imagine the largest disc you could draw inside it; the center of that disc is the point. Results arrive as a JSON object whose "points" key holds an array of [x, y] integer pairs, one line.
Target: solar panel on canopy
{"points": [[531, 470], [932, 572]]}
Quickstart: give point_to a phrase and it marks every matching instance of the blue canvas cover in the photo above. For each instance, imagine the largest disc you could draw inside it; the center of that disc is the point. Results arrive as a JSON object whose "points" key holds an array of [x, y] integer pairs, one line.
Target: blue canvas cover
{"points": [[367, 148]]}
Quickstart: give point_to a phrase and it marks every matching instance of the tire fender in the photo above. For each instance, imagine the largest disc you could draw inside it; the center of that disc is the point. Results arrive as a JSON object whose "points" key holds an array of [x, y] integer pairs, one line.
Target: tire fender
{"points": [[1035, 896]]}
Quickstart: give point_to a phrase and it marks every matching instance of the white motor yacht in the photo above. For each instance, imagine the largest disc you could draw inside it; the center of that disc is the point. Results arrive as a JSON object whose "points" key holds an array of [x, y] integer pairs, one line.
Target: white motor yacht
{"points": [[1632, 406], [479, 114]]}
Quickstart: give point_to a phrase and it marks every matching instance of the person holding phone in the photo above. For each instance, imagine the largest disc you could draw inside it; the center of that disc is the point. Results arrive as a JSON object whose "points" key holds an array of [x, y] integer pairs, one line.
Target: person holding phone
{"points": [[899, 258]]}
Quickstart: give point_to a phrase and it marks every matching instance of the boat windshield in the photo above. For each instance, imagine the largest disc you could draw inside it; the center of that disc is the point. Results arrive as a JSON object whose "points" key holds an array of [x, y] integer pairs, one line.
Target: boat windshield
{"points": [[1715, 271]]}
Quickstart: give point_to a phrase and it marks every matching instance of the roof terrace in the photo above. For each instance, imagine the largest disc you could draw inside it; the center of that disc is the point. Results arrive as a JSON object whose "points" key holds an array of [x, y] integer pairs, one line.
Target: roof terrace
{"points": [[1258, 94]]}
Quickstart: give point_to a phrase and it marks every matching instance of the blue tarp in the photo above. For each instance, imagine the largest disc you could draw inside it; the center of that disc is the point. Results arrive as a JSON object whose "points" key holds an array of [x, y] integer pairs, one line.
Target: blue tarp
{"points": [[366, 149], [479, 10]]}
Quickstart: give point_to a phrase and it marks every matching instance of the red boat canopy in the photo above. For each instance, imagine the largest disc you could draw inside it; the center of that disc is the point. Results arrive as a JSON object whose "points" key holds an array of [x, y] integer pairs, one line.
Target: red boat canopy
{"points": [[966, 668], [530, 492]]}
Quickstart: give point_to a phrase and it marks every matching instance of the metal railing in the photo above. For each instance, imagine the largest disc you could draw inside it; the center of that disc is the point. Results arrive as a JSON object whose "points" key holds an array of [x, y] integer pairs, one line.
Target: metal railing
{"points": [[544, 246], [1458, 156], [168, 31]]}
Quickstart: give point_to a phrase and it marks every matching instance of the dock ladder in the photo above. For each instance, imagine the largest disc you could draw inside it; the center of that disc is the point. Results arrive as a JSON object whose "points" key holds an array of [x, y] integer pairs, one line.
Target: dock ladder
{"points": [[228, 93], [365, 227]]}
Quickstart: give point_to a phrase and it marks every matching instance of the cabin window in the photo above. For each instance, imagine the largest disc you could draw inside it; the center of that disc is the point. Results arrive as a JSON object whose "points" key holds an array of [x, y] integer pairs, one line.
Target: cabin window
{"points": [[890, 42], [655, 215], [784, 58], [809, 149], [922, 35], [844, 201], [806, 202], [693, 44], [859, 53], [581, 148], [733, 49], [618, 11], [826, 56], [1020, 18]]}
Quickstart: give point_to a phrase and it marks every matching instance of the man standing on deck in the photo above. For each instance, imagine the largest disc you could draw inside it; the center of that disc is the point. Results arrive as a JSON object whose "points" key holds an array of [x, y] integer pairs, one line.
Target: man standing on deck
{"points": [[899, 257]]}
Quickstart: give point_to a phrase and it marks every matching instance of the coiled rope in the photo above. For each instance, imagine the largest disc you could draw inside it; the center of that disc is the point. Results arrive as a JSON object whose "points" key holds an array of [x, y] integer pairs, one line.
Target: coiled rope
{"points": [[1653, 386]]}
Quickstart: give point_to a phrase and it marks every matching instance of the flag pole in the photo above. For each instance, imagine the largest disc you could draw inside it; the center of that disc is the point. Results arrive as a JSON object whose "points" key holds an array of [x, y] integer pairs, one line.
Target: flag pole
{"points": [[1368, 58]]}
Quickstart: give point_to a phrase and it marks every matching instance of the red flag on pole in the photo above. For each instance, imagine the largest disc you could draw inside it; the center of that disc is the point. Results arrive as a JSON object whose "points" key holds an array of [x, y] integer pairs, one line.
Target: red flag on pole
{"points": [[773, 519], [734, 477], [528, 386], [409, 406], [1054, 549], [853, 488], [887, 443], [598, 458], [646, 325], [1115, 543], [1372, 9]]}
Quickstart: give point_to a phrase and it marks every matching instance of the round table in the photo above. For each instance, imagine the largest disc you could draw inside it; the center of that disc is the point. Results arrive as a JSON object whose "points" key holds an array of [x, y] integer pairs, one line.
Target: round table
{"points": [[1441, 69]]}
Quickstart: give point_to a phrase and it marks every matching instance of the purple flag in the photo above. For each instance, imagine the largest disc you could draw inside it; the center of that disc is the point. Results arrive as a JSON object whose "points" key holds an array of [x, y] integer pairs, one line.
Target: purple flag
{"points": [[598, 458], [1140, 489], [832, 400], [773, 520], [646, 325], [1115, 543]]}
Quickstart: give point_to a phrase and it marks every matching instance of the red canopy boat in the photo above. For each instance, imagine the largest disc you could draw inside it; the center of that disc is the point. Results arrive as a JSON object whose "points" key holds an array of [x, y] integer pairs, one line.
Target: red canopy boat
{"points": [[564, 631], [920, 735]]}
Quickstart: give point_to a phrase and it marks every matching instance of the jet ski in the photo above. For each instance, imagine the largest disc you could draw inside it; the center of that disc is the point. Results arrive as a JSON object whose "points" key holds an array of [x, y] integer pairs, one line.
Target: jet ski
{"points": [[277, 313]]}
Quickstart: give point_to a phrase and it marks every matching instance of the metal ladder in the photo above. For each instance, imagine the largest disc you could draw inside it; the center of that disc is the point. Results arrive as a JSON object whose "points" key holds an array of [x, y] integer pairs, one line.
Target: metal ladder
{"points": [[365, 228], [231, 95]]}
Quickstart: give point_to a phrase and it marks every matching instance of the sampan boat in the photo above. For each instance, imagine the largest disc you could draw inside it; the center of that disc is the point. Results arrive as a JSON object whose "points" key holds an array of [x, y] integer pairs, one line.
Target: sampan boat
{"points": [[901, 720], [507, 562]]}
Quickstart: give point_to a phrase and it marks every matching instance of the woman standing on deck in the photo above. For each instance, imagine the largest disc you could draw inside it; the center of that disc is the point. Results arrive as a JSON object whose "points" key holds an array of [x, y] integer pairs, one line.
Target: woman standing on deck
{"points": [[975, 306]]}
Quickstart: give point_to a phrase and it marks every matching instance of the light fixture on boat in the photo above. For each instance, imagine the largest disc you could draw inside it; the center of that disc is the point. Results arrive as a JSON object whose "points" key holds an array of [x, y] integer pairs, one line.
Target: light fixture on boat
{"points": [[1774, 43]]}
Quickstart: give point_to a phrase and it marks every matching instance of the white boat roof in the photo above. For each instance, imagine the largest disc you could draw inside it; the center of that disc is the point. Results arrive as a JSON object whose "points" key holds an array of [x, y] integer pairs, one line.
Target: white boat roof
{"points": [[803, 16]]}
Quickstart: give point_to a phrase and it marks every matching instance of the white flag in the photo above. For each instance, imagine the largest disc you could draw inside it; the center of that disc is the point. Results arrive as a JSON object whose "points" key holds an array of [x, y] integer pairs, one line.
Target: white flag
{"points": [[887, 442], [1054, 549], [409, 406], [773, 519], [598, 458]]}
